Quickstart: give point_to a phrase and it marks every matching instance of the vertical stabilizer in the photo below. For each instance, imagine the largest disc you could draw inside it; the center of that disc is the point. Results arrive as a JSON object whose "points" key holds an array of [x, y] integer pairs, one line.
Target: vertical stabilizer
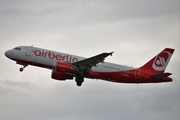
{"points": [[159, 63]]}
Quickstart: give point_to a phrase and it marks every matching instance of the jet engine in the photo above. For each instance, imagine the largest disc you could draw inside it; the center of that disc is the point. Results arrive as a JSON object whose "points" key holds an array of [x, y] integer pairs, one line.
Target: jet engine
{"points": [[60, 76]]}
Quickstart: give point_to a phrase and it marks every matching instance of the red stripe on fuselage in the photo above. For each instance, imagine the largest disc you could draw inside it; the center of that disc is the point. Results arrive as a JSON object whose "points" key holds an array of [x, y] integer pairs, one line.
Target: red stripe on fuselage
{"points": [[25, 63], [125, 77]]}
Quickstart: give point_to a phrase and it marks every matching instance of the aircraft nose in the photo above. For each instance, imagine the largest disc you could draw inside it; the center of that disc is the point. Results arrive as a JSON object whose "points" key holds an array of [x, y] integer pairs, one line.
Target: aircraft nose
{"points": [[7, 53]]}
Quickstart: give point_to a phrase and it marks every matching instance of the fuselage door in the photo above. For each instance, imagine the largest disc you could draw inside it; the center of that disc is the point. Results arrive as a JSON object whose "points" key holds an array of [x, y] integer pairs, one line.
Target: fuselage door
{"points": [[28, 51], [137, 73]]}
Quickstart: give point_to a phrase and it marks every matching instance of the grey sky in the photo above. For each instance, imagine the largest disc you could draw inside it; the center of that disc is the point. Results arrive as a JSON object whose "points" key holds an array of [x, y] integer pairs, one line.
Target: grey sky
{"points": [[135, 30]]}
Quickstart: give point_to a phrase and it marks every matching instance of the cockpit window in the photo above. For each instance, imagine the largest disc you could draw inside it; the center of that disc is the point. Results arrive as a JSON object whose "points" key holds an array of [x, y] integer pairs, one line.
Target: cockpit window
{"points": [[17, 48]]}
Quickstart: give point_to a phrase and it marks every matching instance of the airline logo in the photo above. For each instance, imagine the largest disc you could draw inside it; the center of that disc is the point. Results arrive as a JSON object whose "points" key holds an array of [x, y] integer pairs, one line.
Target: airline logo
{"points": [[161, 61], [59, 57]]}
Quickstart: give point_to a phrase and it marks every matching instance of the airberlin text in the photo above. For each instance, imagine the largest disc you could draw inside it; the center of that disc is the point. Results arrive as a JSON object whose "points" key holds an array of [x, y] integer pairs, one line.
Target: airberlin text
{"points": [[57, 56]]}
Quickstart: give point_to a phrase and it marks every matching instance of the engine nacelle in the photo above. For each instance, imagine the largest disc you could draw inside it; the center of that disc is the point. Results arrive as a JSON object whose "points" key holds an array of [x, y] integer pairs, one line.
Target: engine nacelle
{"points": [[64, 67], [60, 76]]}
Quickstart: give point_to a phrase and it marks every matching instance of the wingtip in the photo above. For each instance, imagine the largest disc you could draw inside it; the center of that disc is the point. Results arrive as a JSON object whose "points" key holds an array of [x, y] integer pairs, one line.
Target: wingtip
{"points": [[111, 53]]}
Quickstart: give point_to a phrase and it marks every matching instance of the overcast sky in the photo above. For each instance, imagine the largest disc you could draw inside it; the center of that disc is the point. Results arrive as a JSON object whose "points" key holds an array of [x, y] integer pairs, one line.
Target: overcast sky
{"points": [[135, 30]]}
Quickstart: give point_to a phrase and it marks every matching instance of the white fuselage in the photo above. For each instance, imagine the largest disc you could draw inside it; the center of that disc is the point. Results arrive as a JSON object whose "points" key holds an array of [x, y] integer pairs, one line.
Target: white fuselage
{"points": [[48, 58]]}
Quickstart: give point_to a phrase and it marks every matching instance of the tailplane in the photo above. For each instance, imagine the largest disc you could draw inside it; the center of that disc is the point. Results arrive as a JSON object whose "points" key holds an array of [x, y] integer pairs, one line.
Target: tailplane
{"points": [[159, 63], [160, 76]]}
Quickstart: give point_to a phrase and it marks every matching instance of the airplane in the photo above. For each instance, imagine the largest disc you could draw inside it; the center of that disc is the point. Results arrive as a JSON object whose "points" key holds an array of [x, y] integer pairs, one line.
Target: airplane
{"points": [[66, 66]]}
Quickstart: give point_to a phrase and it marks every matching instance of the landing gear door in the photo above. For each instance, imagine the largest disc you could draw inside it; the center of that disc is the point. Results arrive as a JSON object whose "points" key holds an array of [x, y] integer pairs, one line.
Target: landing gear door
{"points": [[28, 51], [137, 74]]}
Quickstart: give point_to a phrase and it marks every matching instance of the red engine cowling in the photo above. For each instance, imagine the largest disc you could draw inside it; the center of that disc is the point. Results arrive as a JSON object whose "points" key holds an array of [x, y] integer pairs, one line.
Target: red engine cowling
{"points": [[64, 67], [60, 76]]}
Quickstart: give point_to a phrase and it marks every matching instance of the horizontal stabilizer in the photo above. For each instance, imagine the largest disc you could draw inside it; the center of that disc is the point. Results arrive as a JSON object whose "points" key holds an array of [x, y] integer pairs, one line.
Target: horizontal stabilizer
{"points": [[160, 76]]}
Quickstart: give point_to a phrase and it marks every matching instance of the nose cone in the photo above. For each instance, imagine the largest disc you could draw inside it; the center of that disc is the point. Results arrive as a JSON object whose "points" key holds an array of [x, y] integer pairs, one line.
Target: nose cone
{"points": [[7, 53]]}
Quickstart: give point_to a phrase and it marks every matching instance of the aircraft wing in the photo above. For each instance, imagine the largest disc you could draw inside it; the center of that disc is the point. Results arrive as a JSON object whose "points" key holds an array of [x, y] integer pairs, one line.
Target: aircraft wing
{"points": [[92, 61]]}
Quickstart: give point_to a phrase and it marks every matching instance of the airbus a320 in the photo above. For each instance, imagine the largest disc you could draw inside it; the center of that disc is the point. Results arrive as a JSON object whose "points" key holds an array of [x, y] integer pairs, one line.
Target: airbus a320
{"points": [[67, 67]]}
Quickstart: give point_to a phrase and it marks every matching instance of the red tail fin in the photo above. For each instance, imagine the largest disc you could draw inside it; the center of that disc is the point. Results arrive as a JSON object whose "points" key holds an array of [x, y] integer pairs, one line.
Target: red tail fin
{"points": [[159, 63]]}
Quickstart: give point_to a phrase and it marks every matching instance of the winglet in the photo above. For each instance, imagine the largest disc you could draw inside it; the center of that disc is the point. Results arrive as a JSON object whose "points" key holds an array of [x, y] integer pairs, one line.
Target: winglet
{"points": [[111, 53]]}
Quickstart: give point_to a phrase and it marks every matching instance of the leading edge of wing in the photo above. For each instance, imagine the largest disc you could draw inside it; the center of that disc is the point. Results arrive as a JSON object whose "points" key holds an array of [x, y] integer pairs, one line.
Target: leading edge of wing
{"points": [[92, 61]]}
